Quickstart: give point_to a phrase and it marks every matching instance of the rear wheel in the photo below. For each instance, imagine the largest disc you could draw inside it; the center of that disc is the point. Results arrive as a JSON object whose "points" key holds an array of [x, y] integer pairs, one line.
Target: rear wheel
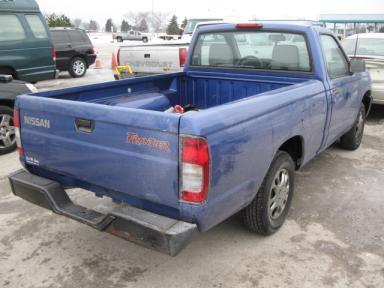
{"points": [[145, 39], [8, 71], [7, 131], [267, 212], [352, 139], [77, 67], [119, 39]]}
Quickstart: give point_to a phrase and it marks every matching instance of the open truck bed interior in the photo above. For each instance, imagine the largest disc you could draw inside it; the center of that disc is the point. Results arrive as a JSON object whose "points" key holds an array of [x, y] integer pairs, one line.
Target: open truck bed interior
{"points": [[158, 93]]}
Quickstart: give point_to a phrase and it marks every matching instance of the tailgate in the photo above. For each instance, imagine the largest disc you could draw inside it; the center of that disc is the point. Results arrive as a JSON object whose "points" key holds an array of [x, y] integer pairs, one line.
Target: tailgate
{"points": [[131, 151], [151, 59]]}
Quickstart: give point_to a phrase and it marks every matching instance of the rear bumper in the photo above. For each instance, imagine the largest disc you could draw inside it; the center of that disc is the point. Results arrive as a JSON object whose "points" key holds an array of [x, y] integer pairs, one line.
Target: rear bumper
{"points": [[153, 231]]}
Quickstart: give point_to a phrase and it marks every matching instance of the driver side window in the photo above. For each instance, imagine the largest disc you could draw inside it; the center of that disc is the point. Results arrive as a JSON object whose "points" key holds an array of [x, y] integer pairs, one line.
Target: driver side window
{"points": [[336, 62]]}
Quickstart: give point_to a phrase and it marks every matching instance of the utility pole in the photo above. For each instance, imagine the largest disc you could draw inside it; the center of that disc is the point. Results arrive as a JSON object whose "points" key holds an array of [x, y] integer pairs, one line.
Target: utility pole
{"points": [[152, 17]]}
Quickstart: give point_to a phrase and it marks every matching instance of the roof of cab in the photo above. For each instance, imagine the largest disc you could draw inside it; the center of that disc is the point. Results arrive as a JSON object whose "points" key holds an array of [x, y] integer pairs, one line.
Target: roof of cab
{"points": [[300, 27], [19, 5]]}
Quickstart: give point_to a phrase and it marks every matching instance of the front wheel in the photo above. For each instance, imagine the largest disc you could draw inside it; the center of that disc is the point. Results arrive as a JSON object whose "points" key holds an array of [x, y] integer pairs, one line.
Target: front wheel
{"points": [[352, 139], [7, 131], [267, 212], [77, 67], [145, 39]]}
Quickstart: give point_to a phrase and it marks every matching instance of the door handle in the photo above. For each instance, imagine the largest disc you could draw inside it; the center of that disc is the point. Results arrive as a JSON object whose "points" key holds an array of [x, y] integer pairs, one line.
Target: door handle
{"points": [[85, 125]]}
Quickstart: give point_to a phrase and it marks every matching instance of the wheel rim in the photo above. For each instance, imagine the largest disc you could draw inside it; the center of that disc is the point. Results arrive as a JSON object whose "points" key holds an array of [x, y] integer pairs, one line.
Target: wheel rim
{"points": [[78, 67], [278, 195], [359, 126], [7, 131]]}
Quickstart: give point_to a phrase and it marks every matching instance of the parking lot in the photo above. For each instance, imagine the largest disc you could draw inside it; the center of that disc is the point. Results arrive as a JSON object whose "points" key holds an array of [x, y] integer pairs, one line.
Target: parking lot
{"points": [[334, 235]]}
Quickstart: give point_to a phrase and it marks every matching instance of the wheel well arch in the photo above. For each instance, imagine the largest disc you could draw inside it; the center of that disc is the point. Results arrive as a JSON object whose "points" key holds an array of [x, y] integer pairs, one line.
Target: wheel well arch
{"points": [[367, 101], [7, 103], [79, 56], [11, 69], [294, 146]]}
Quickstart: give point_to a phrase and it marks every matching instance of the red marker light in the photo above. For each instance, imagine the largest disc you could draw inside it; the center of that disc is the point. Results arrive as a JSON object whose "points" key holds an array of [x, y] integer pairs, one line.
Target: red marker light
{"points": [[182, 56], [54, 54], [249, 25], [16, 124]]}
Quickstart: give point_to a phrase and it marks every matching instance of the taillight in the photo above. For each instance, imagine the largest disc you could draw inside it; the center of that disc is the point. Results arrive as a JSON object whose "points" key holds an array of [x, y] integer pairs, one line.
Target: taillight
{"points": [[118, 57], [249, 25], [54, 54], [16, 124], [195, 169], [182, 56]]}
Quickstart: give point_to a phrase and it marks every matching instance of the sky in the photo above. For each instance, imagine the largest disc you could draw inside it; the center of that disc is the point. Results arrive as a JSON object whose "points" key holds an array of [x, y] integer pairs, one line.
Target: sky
{"points": [[269, 9]]}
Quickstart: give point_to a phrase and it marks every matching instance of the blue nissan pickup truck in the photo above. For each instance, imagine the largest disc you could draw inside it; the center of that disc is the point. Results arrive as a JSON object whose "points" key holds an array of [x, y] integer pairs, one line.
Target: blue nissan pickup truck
{"points": [[182, 152]]}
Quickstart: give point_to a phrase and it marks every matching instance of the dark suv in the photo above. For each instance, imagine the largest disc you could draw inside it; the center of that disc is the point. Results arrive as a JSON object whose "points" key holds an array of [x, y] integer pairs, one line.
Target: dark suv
{"points": [[74, 51]]}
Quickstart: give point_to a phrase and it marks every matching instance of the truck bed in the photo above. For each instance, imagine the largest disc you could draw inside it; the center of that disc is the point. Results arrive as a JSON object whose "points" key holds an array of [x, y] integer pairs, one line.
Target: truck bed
{"points": [[162, 91]]}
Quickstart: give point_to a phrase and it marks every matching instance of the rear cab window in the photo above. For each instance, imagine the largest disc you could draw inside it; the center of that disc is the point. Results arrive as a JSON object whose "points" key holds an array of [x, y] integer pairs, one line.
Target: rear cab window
{"points": [[11, 28], [263, 50], [76, 37], [37, 26], [60, 37]]}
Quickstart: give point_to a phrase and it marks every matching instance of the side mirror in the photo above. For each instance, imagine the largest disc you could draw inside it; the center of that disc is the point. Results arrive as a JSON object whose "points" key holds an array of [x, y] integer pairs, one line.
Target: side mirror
{"points": [[5, 78], [357, 65]]}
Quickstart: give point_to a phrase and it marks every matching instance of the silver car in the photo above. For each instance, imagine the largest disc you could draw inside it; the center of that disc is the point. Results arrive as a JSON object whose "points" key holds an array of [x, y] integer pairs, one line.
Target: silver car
{"points": [[369, 46]]}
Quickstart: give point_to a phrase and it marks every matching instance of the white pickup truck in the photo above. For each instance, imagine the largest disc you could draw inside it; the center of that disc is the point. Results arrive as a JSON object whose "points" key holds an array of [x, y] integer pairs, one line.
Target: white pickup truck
{"points": [[161, 57], [131, 36]]}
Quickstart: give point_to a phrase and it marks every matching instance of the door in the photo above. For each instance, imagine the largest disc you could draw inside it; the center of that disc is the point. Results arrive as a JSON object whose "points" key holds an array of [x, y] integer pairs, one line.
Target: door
{"points": [[131, 35], [339, 79], [39, 49]]}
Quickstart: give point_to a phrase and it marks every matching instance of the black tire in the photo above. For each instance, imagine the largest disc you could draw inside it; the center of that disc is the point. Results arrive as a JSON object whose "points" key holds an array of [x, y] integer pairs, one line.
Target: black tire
{"points": [[77, 67], [8, 71], [145, 39], [352, 139], [7, 137], [119, 39], [258, 215]]}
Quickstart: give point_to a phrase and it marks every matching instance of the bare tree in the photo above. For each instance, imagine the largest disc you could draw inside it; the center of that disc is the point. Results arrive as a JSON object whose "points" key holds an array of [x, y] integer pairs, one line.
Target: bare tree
{"points": [[91, 26], [135, 18], [159, 22], [77, 22]]}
